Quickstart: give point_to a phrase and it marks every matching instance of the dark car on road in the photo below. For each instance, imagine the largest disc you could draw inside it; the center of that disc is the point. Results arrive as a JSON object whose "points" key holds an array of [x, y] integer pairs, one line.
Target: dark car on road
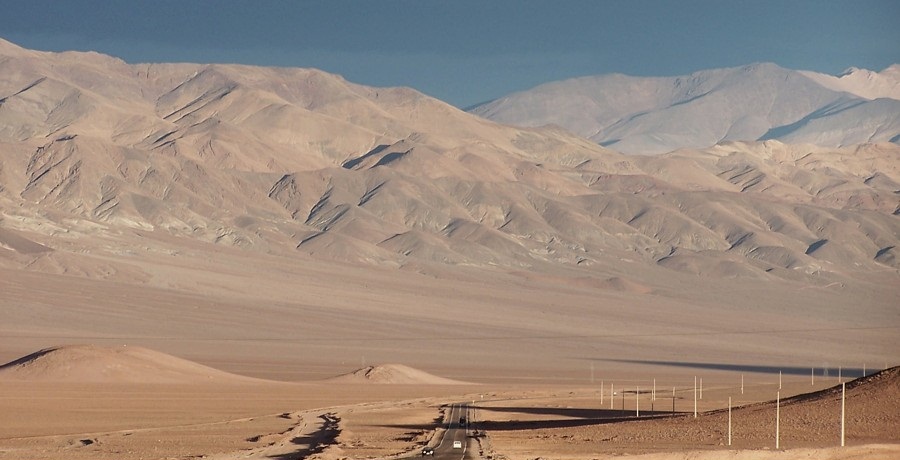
{"points": [[427, 451]]}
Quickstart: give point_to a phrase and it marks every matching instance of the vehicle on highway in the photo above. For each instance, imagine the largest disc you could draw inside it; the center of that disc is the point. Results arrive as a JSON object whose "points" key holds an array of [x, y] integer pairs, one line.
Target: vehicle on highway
{"points": [[427, 451], [457, 444], [462, 420]]}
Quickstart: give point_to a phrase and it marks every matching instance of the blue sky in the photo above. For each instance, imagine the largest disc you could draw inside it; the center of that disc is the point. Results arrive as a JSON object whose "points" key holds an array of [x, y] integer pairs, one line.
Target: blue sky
{"points": [[466, 52]]}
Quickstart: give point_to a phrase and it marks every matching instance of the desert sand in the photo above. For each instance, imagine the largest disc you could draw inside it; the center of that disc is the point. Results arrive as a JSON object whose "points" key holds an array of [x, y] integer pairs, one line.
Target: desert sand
{"points": [[397, 413]]}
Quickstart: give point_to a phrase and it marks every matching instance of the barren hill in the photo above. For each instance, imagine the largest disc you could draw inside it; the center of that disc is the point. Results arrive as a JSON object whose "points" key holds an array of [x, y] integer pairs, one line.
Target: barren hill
{"points": [[96, 364], [393, 374], [809, 427], [872, 405]]}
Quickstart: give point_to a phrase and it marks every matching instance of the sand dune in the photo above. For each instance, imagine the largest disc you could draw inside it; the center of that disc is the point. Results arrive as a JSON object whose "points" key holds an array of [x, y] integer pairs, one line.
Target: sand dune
{"points": [[394, 374], [96, 364], [12, 241]]}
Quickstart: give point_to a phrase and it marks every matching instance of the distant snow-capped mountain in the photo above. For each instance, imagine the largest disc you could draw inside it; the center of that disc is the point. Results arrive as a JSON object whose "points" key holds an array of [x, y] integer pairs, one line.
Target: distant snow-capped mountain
{"points": [[651, 115], [862, 82]]}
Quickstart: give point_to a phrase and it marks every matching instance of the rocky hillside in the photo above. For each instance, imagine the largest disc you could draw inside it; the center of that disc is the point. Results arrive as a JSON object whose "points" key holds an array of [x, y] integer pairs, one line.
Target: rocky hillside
{"points": [[297, 160]]}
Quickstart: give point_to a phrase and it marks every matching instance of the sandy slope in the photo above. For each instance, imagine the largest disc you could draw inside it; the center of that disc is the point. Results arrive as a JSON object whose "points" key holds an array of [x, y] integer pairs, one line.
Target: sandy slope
{"points": [[393, 374], [94, 364], [569, 427]]}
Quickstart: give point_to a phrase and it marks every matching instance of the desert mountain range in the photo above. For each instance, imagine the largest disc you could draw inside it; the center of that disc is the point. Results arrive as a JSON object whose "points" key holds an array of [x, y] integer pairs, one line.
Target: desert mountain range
{"points": [[650, 115], [235, 180], [276, 159]]}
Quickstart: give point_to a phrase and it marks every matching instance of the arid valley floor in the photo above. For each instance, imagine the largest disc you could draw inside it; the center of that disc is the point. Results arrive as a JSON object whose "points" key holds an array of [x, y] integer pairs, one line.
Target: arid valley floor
{"points": [[134, 394]]}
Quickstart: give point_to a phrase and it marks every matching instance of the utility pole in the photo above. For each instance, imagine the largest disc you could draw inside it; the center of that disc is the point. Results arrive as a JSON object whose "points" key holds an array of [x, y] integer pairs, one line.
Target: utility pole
{"points": [[729, 420], [637, 402], [611, 394], [778, 420], [695, 396], [843, 397]]}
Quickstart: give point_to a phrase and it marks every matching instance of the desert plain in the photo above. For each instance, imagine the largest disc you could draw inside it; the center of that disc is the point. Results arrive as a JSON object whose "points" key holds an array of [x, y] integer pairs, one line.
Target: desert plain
{"points": [[254, 373]]}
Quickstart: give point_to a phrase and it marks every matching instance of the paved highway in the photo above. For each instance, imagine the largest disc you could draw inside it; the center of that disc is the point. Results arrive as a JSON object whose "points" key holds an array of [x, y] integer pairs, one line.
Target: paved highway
{"points": [[457, 431]]}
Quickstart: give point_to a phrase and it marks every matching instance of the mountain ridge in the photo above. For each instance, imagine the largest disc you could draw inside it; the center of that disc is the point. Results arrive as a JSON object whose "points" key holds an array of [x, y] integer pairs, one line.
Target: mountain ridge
{"points": [[652, 115], [287, 161]]}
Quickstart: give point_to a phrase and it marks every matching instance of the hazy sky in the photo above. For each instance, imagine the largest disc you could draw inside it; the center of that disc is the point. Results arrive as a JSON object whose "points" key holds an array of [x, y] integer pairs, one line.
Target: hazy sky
{"points": [[466, 52]]}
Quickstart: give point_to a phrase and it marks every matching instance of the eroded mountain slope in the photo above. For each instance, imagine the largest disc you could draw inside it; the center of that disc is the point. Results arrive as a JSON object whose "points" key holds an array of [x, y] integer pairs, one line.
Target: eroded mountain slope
{"points": [[283, 160]]}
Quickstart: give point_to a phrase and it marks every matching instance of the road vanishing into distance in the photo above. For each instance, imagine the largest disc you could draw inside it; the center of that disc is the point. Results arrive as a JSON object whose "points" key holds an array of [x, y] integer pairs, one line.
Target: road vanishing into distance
{"points": [[457, 432]]}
